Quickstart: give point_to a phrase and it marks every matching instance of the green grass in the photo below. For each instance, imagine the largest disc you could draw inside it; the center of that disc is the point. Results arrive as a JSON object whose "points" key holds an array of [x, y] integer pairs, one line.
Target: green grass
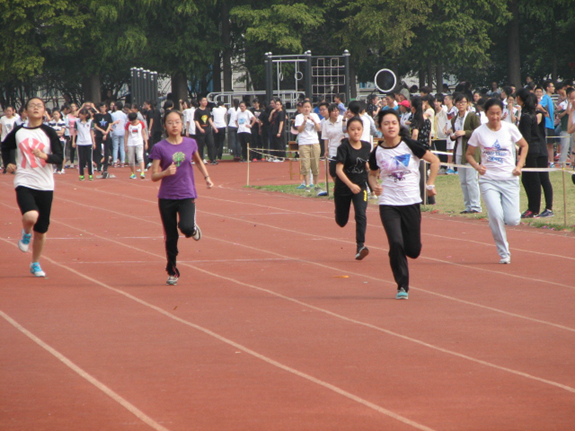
{"points": [[449, 200]]}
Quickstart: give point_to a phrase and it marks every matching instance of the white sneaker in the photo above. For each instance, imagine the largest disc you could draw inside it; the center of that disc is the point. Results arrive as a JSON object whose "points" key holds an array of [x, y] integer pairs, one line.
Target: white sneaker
{"points": [[197, 234], [36, 270], [24, 243], [172, 280], [505, 260]]}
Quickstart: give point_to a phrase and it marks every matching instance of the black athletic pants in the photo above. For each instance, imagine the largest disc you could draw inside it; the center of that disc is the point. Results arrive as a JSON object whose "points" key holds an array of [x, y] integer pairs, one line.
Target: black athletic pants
{"points": [[204, 139], [402, 225], [533, 181], [343, 200], [219, 139], [85, 158], [170, 211]]}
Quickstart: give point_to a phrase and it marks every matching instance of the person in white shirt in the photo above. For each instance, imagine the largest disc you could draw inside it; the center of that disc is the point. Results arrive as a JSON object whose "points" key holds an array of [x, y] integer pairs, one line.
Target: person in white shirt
{"points": [[332, 134], [307, 124], [219, 118], [37, 149], [189, 123], [233, 130], [135, 142], [499, 172], [7, 123], [118, 133], [244, 122]]}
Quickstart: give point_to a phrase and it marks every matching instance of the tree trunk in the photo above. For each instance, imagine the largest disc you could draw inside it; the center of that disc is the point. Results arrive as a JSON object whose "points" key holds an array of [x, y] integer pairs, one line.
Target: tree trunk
{"points": [[513, 59], [91, 88], [217, 74], [439, 78], [430, 75], [179, 87], [421, 74], [226, 43]]}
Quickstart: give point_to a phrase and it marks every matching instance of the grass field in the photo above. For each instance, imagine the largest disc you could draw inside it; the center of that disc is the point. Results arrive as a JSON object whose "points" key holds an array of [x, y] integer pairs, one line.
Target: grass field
{"points": [[450, 201]]}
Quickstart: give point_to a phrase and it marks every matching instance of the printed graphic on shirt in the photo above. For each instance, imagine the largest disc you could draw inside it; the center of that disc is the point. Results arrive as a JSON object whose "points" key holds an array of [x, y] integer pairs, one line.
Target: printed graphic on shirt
{"points": [[309, 126], [241, 121], [27, 146], [359, 167], [495, 153], [397, 167], [178, 158]]}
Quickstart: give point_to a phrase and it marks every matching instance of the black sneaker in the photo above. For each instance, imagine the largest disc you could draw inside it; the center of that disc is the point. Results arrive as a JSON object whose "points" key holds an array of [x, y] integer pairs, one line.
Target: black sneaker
{"points": [[546, 213], [361, 253]]}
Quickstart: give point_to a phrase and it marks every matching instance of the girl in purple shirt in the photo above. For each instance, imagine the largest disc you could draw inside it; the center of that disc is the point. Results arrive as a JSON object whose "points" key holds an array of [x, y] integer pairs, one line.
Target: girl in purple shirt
{"points": [[172, 164]]}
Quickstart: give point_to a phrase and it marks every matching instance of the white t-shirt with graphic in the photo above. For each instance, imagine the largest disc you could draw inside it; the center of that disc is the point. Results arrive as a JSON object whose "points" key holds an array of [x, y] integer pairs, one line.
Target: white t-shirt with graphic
{"points": [[244, 119], [134, 132], [497, 150], [309, 135], [83, 133], [398, 172]]}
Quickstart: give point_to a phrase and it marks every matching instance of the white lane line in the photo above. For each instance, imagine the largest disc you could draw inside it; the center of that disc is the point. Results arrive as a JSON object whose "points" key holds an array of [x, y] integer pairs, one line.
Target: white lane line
{"points": [[102, 387], [332, 314], [212, 334]]}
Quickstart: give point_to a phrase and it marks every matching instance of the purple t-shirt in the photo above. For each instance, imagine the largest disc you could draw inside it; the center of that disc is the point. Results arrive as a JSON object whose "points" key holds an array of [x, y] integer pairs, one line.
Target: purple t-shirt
{"points": [[182, 184]]}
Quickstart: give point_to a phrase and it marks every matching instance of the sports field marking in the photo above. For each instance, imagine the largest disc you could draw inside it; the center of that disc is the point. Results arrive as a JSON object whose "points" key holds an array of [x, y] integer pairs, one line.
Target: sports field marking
{"points": [[322, 310], [102, 387], [451, 298], [208, 332]]}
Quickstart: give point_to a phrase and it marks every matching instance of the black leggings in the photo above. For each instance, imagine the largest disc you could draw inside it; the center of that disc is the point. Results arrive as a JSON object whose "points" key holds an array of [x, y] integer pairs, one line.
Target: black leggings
{"points": [[170, 210], [402, 225], [85, 158], [343, 200], [533, 181]]}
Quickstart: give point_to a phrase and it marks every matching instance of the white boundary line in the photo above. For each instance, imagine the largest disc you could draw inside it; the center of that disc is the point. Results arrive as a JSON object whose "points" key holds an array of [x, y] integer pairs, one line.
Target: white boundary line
{"points": [[99, 385]]}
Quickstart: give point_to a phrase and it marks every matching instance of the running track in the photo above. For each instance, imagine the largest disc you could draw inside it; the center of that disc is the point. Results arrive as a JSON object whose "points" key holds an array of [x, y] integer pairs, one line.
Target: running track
{"points": [[274, 325]]}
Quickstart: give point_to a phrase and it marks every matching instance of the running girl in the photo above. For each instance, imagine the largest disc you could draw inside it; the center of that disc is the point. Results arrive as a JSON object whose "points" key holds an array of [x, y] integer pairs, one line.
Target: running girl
{"points": [[499, 172], [396, 161], [172, 165], [37, 147], [351, 182]]}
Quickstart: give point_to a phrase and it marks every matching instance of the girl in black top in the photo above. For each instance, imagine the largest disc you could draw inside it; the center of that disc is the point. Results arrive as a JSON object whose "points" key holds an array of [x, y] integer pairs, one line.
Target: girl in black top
{"points": [[532, 127], [420, 129], [351, 182]]}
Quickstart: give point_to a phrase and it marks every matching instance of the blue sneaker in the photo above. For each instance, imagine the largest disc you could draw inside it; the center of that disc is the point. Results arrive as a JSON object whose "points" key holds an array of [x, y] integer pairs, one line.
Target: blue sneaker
{"points": [[450, 171], [401, 294], [36, 270], [301, 187], [24, 243]]}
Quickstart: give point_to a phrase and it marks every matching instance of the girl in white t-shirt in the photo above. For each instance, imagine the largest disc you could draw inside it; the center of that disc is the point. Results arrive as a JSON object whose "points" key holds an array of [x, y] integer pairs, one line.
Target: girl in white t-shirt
{"points": [[135, 142], [233, 130], [499, 172], [395, 162], [84, 140], [7, 123], [244, 122], [307, 124]]}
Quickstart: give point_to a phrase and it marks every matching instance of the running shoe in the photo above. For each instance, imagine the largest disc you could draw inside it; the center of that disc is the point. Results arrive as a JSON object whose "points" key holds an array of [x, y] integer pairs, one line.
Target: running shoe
{"points": [[362, 252], [197, 235], [450, 172], [90, 178], [81, 177], [172, 280], [24, 243], [301, 187], [36, 270], [133, 176], [528, 214], [546, 213], [505, 260], [142, 176], [401, 294]]}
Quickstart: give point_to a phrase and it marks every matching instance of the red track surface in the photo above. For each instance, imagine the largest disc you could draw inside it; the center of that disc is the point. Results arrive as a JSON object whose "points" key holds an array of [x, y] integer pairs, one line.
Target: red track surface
{"points": [[263, 332]]}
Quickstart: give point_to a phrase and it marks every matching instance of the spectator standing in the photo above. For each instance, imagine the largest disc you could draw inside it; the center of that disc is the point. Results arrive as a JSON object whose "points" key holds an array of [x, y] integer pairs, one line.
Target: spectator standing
{"points": [[118, 132], [219, 114], [531, 127], [308, 124], [337, 100], [462, 127], [547, 104], [233, 128], [277, 121], [244, 122], [155, 129], [332, 134], [204, 127], [257, 136], [135, 143], [421, 132], [85, 142], [189, 122], [71, 118], [7, 124], [59, 126], [102, 126]]}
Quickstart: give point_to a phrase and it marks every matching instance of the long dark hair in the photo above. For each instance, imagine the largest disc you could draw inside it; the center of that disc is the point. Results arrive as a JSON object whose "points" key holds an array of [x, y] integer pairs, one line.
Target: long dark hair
{"points": [[417, 121], [529, 101]]}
